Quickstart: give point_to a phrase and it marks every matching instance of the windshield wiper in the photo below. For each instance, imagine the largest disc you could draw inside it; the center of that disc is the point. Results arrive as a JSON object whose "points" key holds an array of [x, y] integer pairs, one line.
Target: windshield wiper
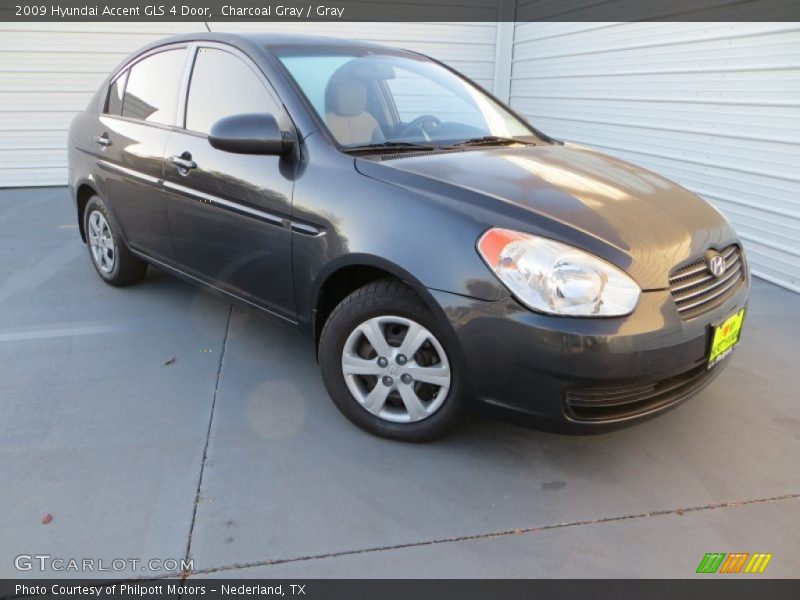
{"points": [[390, 146], [488, 140]]}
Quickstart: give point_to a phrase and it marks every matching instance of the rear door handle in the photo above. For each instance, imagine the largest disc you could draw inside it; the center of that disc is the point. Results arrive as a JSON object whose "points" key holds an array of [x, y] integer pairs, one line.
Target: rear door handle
{"points": [[184, 162], [103, 140]]}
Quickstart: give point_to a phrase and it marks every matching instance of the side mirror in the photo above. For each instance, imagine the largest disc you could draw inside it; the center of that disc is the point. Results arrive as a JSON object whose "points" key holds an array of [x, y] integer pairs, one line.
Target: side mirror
{"points": [[252, 133]]}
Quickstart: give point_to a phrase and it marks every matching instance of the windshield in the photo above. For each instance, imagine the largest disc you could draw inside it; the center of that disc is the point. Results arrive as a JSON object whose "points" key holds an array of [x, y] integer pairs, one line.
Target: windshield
{"points": [[367, 98]]}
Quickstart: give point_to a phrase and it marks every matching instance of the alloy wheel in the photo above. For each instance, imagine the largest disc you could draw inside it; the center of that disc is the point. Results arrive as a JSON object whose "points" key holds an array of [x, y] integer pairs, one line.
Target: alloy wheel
{"points": [[101, 242], [396, 369]]}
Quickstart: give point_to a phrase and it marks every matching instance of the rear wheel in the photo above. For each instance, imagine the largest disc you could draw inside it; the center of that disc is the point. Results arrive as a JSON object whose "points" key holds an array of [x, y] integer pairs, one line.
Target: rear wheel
{"points": [[111, 258], [386, 366]]}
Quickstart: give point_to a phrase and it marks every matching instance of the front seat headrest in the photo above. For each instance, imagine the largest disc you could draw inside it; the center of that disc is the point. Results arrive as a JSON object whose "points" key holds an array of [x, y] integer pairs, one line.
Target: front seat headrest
{"points": [[346, 97]]}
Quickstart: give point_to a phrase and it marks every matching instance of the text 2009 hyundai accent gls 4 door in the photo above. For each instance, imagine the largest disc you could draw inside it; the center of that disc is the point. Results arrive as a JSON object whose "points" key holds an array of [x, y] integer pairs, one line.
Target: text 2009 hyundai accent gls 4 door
{"points": [[441, 252]]}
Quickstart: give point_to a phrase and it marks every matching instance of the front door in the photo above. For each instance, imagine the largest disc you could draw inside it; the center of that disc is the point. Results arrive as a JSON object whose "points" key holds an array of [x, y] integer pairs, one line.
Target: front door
{"points": [[229, 213]]}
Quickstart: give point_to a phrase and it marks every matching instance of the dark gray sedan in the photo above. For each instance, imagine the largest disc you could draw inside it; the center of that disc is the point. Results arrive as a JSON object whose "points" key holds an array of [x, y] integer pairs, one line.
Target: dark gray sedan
{"points": [[441, 252]]}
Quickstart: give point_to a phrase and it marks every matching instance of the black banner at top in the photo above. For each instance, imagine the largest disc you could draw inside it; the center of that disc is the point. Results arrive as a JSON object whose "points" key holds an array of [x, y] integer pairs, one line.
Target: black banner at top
{"points": [[400, 10]]}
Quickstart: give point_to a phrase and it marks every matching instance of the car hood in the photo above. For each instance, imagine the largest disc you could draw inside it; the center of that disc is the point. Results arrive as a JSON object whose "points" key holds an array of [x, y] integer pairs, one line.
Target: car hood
{"points": [[636, 219]]}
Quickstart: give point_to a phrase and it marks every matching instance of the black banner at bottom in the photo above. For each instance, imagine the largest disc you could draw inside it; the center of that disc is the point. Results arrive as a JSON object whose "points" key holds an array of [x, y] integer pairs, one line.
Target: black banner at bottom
{"points": [[388, 589]]}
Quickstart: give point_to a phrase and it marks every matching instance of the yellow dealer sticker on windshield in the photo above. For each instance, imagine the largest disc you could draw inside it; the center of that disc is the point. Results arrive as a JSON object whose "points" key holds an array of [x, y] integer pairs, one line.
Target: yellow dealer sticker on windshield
{"points": [[725, 338]]}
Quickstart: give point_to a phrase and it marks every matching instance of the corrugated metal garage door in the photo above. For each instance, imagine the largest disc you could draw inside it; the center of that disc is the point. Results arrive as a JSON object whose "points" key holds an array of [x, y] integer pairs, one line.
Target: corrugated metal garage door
{"points": [[713, 106], [48, 72]]}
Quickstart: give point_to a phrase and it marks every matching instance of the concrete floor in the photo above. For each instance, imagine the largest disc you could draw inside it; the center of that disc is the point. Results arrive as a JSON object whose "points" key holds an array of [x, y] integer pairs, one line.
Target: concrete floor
{"points": [[236, 455]]}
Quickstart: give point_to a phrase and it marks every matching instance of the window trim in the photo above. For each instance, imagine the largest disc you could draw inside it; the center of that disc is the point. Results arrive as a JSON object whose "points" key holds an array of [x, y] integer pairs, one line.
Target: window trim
{"points": [[127, 66], [186, 82]]}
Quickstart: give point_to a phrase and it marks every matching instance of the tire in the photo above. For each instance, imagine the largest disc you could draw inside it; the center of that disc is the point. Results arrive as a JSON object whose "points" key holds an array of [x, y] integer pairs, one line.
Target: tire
{"points": [[111, 258], [381, 396]]}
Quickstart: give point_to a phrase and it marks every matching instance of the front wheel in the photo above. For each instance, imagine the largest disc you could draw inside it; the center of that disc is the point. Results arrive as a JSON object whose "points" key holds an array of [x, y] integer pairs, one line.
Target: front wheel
{"points": [[386, 366]]}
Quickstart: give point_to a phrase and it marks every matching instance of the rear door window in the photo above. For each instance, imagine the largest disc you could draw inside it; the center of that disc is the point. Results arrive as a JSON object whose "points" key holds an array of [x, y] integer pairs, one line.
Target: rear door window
{"points": [[151, 93]]}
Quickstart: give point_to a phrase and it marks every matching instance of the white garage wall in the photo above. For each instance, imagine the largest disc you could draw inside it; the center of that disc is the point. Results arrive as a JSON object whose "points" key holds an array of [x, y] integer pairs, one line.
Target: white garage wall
{"points": [[49, 71], [714, 106]]}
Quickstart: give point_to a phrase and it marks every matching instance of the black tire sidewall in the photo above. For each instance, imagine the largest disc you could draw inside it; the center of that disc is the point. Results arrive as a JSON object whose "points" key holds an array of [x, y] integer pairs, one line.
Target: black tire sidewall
{"points": [[351, 313]]}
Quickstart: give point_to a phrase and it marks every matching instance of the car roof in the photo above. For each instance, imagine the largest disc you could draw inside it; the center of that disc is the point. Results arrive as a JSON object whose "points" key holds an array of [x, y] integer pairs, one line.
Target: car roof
{"points": [[266, 39]]}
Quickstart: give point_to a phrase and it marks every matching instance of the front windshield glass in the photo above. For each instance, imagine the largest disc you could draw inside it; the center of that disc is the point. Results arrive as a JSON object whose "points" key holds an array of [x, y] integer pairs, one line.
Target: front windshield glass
{"points": [[366, 97]]}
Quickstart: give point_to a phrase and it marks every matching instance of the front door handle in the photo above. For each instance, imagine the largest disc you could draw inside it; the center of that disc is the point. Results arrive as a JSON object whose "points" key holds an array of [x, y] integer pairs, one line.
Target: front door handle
{"points": [[103, 140], [184, 162]]}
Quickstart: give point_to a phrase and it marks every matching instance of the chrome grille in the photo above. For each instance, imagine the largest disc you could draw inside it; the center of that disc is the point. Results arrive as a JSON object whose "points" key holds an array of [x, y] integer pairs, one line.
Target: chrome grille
{"points": [[696, 289]]}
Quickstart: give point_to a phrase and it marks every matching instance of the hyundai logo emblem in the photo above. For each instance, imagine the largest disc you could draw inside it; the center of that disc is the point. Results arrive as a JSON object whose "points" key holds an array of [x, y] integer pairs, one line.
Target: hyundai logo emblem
{"points": [[716, 264]]}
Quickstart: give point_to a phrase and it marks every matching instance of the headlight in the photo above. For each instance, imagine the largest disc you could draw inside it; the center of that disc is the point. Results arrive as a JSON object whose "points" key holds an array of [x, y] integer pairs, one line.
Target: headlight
{"points": [[551, 277]]}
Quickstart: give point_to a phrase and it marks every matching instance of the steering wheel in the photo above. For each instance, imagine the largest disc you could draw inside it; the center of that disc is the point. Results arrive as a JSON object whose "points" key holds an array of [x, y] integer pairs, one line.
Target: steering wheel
{"points": [[421, 124]]}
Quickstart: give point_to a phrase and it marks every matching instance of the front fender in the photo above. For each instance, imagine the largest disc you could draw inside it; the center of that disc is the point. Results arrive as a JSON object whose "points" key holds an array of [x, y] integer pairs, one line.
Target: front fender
{"points": [[425, 240]]}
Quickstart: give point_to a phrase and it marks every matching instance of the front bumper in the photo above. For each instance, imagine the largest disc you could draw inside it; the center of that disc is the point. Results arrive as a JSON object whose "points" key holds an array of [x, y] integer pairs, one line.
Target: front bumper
{"points": [[553, 372]]}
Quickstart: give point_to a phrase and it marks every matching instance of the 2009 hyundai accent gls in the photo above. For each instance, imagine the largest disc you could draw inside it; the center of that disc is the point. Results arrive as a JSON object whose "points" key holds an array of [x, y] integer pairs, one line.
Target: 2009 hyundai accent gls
{"points": [[443, 253]]}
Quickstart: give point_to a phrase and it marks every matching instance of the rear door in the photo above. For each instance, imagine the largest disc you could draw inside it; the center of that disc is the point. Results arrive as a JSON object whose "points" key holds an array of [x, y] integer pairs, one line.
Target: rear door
{"points": [[130, 138], [229, 213]]}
